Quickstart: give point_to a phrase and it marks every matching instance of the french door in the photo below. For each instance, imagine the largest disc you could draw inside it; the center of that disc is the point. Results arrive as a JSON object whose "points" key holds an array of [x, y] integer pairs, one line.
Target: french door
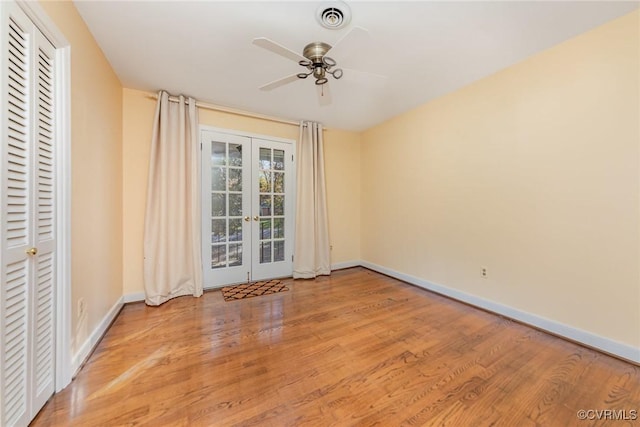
{"points": [[248, 203]]}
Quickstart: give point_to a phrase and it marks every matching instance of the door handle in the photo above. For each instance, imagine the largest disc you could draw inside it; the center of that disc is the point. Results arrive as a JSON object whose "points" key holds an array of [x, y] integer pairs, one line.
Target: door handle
{"points": [[32, 251], [247, 218], [255, 218]]}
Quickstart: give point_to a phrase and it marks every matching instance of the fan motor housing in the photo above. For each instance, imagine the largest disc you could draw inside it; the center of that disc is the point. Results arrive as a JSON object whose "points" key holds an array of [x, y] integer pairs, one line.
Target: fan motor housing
{"points": [[315, 51]]}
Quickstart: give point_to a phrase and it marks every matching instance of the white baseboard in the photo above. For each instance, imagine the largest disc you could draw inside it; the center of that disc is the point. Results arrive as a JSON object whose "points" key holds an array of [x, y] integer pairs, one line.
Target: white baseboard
{"points": [[346, 264], [589, 339], [135, 297], [94, 338]]}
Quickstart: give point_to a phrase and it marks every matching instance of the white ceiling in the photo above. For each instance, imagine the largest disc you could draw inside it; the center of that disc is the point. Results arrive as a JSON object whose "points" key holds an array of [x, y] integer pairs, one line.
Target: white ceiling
{"points": [[203, 49]]}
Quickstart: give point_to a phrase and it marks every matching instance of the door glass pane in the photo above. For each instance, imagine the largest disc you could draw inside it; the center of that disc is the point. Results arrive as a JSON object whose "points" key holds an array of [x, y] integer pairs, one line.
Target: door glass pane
{"points": [[235, 254], [218, 256], [265, 181], [218, 179], [265, 158], [235, 230], [265, 229], [218, 204], [218, 153], [218, 230], [235, 155], [278, 205], [278, 182], [235, 179], [278, 228], [235, 204], [265, 205], [278, 159], [278, 250], [265, 252]]}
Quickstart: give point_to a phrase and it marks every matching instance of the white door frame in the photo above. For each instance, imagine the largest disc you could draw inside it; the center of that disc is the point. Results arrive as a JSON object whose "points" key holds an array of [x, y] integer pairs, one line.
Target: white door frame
{"points": [[252, 135], [63, 189]]}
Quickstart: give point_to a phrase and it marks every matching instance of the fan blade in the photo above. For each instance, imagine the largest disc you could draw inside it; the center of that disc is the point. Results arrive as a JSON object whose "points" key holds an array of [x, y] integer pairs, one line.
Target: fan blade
{"points": [[344, 48], [364, 77], [324, 94], [274, 47], [280, 82]]}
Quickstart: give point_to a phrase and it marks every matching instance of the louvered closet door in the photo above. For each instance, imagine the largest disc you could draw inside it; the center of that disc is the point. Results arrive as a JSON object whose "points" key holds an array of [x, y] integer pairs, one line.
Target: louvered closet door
{"points": [[28, 224], [16, 221], [43, 263]]}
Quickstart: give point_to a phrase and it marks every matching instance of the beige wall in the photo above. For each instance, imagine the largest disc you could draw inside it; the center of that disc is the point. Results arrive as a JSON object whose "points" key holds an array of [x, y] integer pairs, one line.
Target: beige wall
{"points": [[532, 173], [96, 156], [342, 164], [137, 122]]}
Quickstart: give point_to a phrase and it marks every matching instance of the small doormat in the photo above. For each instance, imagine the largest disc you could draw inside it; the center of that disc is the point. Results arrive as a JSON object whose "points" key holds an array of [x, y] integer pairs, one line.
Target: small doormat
{"points": [[255, 289]]}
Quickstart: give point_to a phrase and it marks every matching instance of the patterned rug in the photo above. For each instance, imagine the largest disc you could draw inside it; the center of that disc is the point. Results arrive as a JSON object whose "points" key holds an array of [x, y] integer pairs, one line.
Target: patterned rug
{"points": [[255, 289]]}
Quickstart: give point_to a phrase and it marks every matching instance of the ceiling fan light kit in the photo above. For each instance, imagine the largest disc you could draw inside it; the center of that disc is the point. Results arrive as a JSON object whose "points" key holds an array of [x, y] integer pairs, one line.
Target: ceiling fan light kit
{"points": [[318, 64]]}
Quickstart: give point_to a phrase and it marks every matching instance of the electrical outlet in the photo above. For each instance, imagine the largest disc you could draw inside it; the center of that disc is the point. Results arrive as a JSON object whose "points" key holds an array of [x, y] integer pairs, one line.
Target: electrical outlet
{"points": [[484, 272]]}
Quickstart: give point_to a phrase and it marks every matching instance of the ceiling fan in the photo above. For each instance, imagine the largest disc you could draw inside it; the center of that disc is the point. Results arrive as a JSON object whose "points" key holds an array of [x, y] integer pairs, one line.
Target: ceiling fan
{"points": [[318, 60]]}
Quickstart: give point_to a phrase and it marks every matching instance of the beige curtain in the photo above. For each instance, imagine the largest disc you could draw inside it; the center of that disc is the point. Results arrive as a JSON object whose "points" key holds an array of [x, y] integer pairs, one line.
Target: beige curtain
{"points": [[312, 256], [172, 252]]}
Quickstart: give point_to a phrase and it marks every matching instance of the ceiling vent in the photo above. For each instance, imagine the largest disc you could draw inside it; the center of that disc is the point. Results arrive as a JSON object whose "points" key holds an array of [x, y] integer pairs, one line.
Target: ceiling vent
{"points": [[333, 15]]}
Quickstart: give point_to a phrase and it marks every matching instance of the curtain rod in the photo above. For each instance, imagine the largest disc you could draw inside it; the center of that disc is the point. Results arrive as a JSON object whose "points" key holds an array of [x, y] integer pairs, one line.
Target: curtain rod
{"points": [[232, 111]]}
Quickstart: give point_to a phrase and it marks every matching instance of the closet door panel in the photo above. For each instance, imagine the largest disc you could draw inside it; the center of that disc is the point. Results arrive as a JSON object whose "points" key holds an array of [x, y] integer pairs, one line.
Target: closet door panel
{"points": [[17, 222], [44, 197]]}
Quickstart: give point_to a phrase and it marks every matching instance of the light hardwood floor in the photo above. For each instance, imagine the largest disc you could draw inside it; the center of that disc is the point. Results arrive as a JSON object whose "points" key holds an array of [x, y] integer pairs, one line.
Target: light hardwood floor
{"points": [[356, 348]]}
